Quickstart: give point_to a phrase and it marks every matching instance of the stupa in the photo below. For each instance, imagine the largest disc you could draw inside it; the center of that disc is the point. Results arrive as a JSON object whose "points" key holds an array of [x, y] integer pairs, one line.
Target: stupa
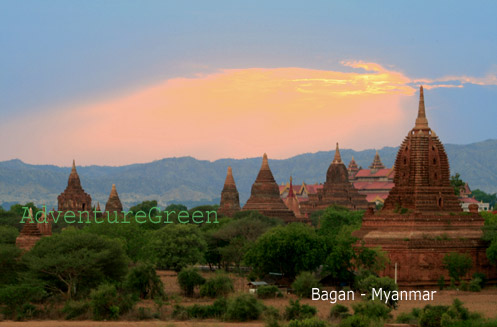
{"points": [[376, 164], [29, 235], [230, 199], [74, 197], [113, 203], [292, 202], [337, 190], [421, 220], [265, 196]]}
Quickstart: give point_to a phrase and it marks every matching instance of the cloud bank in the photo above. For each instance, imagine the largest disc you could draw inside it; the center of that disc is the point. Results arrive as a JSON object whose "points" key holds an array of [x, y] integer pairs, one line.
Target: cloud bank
{"points": [[234, 113]]}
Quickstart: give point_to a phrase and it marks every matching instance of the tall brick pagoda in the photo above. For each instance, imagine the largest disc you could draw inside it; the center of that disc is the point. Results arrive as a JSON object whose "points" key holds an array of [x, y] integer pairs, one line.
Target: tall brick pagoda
{"points": [[74, 197], [113, 203], [421, 220], [336, 190], [230, 200], [265, 196]]}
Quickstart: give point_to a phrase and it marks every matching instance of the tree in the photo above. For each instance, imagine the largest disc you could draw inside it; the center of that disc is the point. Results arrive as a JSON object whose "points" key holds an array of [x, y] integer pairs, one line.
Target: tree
{"points": [[188, 279], [131, 235], [485, 197], [143, 280], [8, 234], [456, 182], [335, 217], [74, 261], [175, 246], [458, 264], [10, 265], [235, 236], [304, 283], [288, 250]]}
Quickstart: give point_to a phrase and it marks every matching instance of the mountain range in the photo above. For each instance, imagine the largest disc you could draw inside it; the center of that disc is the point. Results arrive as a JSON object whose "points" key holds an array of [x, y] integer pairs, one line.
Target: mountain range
{"points": [[192, 182]]}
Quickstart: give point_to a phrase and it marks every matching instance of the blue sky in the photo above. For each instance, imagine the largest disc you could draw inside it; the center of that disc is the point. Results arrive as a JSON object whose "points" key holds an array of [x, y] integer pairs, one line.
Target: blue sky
{"points": [[63, 54]]}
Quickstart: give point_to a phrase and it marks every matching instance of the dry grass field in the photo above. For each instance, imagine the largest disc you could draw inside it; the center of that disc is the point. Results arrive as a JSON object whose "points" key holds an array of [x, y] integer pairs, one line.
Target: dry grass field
{"points": [[484, 302]]}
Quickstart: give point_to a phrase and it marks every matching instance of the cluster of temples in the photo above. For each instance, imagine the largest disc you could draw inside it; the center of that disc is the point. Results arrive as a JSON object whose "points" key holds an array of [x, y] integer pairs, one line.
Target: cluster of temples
{"points": [[73, 198], [266, 197]]}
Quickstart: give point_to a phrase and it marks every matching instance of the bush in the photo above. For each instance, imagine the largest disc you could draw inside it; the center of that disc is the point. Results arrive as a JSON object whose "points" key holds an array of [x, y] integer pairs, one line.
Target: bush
{"points": [[308, 322], [295, 310], [458, 264], [244, 307], [8, 234], [304, 283], [216, 310], [482, 277], [75, 309], [219, 285], [441, 282], [407, 318], [268, 291], [339, 311], [16, 299], [107, 303], [475, 285], [356, 321], [143, 281], [372, 309], [386, 283], [188, 279], [271, 316], [431, 316]]}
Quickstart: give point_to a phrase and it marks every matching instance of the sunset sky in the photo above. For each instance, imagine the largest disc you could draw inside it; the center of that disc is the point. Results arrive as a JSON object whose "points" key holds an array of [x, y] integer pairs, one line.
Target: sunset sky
{"points": [[119, 82]]}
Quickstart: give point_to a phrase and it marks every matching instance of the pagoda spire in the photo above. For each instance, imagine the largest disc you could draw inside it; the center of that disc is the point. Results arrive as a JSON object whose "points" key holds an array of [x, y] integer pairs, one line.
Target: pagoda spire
{"points": [[421, 121], [338, 158], [377, 164], [229, 177], [290, 191], [265, 164]]}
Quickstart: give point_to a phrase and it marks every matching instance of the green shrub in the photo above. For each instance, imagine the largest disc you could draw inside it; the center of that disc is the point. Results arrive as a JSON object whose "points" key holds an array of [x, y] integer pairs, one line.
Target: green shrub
{"points": [[219, 285], [144, 313], [107, 303], [244, 307], [8, 234], [463, 286], [16, 299], [271, 316], [356, 321], [441, 282], [458, 264], [304, 283], [475, 285], [431, 316], [75, 309], [143, 281], [188, 279], [308, 322], [339, 311], [268, 292], [482, 277], [295, 310], [180, 312], [216, 310], [372, 309], [386, 283], [406, 318]]}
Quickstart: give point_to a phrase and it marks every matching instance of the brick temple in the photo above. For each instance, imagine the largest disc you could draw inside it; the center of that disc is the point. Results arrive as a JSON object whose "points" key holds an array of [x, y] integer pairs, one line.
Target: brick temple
{"points": [[32, 231], [265, 196], [422, 220], [230, 199], [74, 198], [113, 203], [336, 190]]}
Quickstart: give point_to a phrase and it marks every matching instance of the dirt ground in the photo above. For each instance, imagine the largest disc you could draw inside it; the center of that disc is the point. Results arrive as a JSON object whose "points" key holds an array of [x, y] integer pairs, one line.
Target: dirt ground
{"points": [[484, 302]]}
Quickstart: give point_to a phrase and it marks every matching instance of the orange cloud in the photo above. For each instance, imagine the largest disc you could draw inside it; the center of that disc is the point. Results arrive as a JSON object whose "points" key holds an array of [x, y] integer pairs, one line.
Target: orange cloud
{"points": [[232, 113]]}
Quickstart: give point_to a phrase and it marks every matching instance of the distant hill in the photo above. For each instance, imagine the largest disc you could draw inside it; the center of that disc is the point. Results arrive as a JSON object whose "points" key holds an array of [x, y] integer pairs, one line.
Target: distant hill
{"points": [[190, 181]]}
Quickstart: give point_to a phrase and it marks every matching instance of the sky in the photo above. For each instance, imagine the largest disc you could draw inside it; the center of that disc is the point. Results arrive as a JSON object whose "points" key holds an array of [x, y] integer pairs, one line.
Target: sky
{"points": [[120, 82]]}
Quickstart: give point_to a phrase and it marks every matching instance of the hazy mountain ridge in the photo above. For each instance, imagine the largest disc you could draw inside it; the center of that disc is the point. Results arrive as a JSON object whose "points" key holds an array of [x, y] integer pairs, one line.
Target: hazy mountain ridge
{"points": [[191, 181]]}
